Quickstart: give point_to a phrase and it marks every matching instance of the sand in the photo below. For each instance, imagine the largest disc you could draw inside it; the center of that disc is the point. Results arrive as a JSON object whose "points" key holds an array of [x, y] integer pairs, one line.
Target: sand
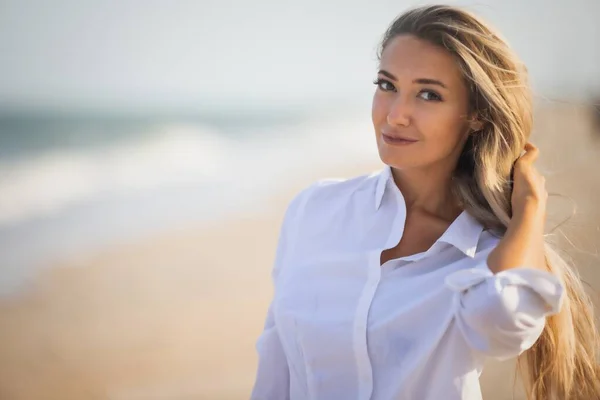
{"points": [[176, 315]]}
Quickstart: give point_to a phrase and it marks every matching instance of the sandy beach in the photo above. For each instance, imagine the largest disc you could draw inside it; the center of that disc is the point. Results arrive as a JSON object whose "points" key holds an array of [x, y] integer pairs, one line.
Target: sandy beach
{"points": [[176, 314]]}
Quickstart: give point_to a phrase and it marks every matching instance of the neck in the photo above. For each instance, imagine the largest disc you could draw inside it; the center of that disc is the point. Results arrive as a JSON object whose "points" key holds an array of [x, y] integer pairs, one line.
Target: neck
{"points": [[428, 190]]}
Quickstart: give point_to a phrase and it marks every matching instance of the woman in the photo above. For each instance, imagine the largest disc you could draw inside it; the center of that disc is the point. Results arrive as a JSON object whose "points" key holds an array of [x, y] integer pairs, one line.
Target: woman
{"points": [[398, 284]]}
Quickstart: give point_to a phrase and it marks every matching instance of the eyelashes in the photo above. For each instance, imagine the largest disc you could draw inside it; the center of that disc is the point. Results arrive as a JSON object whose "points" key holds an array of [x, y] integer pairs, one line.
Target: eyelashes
{"points": [[380, 81], [432, 95]]}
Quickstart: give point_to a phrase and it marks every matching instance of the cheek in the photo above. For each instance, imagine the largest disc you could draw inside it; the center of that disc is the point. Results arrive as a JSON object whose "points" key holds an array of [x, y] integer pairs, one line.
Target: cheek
{"points": [[379, 109], [440, 125]]}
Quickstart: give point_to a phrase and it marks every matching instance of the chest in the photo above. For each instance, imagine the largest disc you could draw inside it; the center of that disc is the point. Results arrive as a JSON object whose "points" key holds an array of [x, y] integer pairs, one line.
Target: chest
{"points": [[328, 302]]}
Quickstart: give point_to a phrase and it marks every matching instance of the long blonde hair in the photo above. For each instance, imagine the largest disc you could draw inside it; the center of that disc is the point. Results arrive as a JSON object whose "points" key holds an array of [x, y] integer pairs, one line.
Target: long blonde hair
{"points": [[563, 363]]}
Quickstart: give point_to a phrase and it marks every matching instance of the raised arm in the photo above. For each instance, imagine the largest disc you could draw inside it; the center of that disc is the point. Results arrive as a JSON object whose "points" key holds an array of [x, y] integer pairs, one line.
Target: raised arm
{"points": [[502, 308]]}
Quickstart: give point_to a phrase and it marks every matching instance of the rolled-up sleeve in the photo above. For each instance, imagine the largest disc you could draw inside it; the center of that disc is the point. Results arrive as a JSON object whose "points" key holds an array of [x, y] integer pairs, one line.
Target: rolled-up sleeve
{"points": [[503, 314], [272, 377]]}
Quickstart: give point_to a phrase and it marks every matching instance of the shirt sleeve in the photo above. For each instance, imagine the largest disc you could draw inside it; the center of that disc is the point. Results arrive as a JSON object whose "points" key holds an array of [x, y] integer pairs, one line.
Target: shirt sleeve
{"points": [[272, 376], [503, 314]]}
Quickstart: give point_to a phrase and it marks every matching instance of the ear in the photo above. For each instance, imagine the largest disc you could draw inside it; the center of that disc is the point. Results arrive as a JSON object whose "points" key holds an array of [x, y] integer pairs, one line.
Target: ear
{"points": [[475, 126]]}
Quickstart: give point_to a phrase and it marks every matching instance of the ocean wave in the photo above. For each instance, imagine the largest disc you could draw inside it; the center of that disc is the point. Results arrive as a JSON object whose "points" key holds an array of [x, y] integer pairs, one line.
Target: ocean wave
{"points": [[176, 156], [52, 181]]}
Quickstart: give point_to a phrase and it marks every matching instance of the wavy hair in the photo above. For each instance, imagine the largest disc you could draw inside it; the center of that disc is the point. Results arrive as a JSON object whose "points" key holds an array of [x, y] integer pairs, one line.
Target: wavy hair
{"points": [[563, 363]]}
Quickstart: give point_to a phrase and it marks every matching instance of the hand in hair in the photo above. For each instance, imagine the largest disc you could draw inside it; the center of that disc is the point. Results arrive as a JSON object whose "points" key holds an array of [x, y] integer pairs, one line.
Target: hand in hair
{"points": [[529, 186], [523, 242]]}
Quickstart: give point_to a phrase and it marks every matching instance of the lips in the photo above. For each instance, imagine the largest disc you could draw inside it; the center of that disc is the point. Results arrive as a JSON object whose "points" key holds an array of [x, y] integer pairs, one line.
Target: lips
{"points": [[397, 138]]}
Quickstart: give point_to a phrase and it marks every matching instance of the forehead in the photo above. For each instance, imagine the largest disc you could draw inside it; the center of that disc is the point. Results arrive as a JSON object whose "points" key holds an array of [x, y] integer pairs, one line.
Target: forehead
{"points": [[406, 56]]}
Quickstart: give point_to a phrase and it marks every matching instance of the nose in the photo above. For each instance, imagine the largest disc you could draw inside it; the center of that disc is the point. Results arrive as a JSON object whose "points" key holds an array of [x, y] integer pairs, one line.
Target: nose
{"points": [[400, 112]]}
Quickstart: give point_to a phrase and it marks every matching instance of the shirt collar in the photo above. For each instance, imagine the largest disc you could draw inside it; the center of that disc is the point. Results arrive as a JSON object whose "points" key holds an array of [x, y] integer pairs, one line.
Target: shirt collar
{"points": [[384, 177], [463, 233]]}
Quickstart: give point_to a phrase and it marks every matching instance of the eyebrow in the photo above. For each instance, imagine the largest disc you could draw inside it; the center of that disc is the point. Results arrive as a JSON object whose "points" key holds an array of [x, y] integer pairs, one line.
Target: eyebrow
{"points": [[424, 81]]}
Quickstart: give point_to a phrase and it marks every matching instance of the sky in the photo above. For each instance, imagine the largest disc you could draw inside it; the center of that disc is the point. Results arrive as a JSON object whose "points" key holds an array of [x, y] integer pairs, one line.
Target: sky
{"points": [[149, 54]]}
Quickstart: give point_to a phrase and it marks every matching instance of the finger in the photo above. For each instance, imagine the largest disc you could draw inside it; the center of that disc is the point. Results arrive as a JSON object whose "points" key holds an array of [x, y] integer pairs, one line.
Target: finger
{"points": [[531, 154], [529, 146]]}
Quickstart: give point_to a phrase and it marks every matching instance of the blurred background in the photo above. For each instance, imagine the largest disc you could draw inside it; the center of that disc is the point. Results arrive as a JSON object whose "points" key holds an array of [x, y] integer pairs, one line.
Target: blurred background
{"points": [[148, 150]]}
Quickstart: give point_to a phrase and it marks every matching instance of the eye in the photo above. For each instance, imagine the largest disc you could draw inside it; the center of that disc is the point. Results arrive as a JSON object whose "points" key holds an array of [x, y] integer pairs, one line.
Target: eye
{"points": [[429, 95], [381, 84]]}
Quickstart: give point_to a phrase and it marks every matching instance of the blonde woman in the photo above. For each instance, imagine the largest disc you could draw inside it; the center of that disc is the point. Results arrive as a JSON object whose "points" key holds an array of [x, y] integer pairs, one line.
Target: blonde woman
{"points": [[399, 284]]}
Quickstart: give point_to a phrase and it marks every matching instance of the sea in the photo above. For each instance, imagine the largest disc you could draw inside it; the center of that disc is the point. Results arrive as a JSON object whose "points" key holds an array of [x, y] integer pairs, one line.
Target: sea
{"points": [[75, 183]]}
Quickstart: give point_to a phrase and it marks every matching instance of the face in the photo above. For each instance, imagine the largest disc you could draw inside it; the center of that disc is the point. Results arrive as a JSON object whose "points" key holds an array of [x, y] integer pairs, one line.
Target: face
{"points": [[420, 106]]}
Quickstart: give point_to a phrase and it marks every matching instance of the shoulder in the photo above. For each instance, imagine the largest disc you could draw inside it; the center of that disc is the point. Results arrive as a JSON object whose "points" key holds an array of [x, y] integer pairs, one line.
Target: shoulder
{"points": [[323, 196], [332, 191]]}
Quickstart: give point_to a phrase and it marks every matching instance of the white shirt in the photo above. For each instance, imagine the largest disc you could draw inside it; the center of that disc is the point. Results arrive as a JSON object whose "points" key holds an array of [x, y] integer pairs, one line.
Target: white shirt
{"points": [[342, 326]]}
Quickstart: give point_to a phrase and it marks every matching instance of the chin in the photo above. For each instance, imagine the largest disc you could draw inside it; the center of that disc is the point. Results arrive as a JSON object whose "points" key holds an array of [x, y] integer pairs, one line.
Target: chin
{"points": [[398, 163], [399, 159]]}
